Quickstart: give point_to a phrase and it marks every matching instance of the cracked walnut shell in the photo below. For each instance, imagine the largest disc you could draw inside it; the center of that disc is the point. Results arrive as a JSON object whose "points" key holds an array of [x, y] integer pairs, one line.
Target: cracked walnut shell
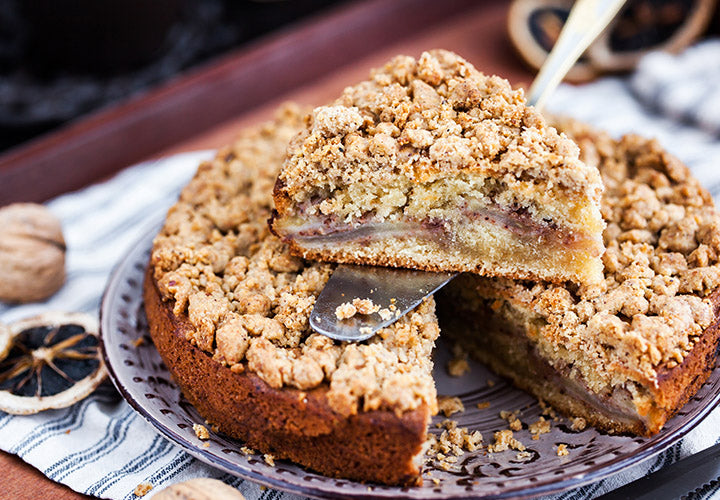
{"points": [[32, 253]]}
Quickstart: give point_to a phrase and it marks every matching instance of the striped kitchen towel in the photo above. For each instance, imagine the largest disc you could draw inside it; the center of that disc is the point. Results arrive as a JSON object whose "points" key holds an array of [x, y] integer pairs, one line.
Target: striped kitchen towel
{"points": [[109, 449]]}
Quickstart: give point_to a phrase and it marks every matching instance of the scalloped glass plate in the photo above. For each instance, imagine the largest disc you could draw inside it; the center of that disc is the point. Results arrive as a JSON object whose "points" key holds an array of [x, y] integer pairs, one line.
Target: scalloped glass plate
{"points": [[141, 377]]}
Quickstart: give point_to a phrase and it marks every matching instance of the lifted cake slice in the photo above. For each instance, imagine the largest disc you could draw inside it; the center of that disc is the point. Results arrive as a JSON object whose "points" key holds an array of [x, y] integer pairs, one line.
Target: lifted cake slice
{"points": [[432, 165]]}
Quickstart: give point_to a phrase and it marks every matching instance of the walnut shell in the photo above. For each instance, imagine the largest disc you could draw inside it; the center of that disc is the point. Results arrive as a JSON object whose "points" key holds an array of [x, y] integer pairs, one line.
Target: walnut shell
{"points": [[32, 253], [199, 489]]}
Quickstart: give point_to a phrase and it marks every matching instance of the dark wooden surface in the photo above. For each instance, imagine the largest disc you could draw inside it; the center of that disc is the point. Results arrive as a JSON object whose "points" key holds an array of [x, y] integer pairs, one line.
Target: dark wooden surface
{"points": [[309, 63]]}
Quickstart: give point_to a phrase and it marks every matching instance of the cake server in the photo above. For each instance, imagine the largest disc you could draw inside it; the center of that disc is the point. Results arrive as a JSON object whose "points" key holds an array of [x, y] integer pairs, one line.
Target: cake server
{"points": [[405, 287]]}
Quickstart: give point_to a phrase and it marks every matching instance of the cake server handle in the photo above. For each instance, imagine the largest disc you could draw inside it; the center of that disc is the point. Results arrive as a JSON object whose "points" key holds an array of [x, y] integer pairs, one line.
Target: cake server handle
{"points": [[587, 19], [409, 287]]}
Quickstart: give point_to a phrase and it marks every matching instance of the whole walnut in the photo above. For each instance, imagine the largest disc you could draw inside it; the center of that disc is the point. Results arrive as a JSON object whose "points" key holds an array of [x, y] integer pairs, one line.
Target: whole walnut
{"points": [[32, 253], [201, 488]]}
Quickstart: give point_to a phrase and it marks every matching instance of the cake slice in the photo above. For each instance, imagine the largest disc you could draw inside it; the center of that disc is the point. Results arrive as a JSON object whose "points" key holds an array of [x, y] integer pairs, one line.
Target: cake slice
{"points": [[626, 354], [432, 165]]}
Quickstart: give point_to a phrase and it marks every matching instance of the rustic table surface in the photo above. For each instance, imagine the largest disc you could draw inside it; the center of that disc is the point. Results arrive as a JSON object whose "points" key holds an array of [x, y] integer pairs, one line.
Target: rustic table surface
{"points": [[310, 62]]}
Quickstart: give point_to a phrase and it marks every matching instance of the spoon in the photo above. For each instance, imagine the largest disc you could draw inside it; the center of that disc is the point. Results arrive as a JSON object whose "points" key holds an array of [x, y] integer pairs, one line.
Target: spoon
{"points": [[401, 290]]}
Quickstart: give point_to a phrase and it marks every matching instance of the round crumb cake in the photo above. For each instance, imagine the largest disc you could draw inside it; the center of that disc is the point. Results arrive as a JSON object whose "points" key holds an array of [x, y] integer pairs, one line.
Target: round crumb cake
{"points": [[228, 309]]}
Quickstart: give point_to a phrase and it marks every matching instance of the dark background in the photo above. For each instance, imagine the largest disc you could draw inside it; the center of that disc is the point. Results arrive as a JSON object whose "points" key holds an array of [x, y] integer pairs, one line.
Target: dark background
{"points": [[60, 59]]}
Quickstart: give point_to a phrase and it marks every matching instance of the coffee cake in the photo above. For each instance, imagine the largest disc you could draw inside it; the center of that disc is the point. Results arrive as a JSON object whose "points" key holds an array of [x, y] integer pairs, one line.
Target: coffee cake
{"points": [[228, 309], [627, 353], [431, 164]]}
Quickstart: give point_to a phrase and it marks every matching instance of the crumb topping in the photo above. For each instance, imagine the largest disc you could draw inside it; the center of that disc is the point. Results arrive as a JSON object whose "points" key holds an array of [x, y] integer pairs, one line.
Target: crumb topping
{"points": [[504, 440], [429, 119], [347, 310], [142, 489], [201, 431], [249, 300], [449, 405], [452, 443], [661, 263]]}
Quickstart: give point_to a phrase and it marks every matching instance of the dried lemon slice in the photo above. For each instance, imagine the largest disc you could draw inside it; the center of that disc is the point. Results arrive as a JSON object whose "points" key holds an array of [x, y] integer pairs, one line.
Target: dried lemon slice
{"points": [[5, 341], [52, 361]]}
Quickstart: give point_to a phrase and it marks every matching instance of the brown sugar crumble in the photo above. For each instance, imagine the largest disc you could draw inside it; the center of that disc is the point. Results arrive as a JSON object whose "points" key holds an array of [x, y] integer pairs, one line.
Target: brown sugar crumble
{"points": [[542, 426], [562, 450], [449, 405], [142, 489], [345, 311], [504, 440], [201, 431], [269, 459], [484, 405], [453, 442]]}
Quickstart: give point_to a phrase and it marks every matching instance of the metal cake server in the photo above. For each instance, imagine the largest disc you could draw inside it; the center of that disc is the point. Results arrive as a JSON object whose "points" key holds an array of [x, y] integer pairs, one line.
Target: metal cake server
{"points": [[409, 287]]}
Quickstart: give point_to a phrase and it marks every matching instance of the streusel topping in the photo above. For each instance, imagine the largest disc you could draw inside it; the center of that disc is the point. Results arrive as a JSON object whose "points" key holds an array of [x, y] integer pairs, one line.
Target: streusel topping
{"points": [[661, 263], [425, 120], [249, 300]]}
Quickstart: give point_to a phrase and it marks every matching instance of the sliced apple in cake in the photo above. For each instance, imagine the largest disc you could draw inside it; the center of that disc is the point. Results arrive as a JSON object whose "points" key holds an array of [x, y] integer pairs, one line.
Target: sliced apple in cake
{"points": [[628, 353], [432, 165]]}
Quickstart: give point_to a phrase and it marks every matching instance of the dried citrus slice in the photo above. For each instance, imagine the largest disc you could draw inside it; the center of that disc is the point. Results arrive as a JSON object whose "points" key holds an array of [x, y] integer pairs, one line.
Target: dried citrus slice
{"points": [[53, 361], [5, 341]]}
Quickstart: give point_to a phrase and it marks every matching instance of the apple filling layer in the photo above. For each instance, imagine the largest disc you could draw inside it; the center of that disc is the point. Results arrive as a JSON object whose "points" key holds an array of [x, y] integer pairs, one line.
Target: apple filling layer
{"points": [[491, 236]]}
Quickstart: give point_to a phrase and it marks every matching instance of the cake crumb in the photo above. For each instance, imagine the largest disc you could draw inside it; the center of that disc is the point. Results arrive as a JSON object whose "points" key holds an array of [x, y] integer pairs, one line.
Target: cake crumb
{"points": [[435, 481], [504, 440], [345, 311], [365, 306], [523, 455], [201, 431], [269, 459], [513, 422], [206, 444], [142, 489], [247, 451], [542, 426], [578, 424], [385, 314], [453, 440], [457, 367], [449, 405], [139, 341], [483, 405], [365, 330], [491, 383], [562, 450]]}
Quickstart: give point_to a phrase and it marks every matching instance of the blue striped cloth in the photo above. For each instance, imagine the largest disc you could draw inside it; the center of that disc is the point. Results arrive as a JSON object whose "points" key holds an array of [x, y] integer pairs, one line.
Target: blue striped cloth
{"points": [[101, 447]]}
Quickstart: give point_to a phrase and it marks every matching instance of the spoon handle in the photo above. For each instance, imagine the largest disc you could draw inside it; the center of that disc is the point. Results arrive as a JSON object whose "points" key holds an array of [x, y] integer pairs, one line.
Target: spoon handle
{"points": [[585, 22]]}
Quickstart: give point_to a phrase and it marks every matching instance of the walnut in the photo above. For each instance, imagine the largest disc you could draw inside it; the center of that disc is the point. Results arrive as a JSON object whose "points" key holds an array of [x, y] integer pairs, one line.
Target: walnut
{"points": [[201, 488], [32, 253]]}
